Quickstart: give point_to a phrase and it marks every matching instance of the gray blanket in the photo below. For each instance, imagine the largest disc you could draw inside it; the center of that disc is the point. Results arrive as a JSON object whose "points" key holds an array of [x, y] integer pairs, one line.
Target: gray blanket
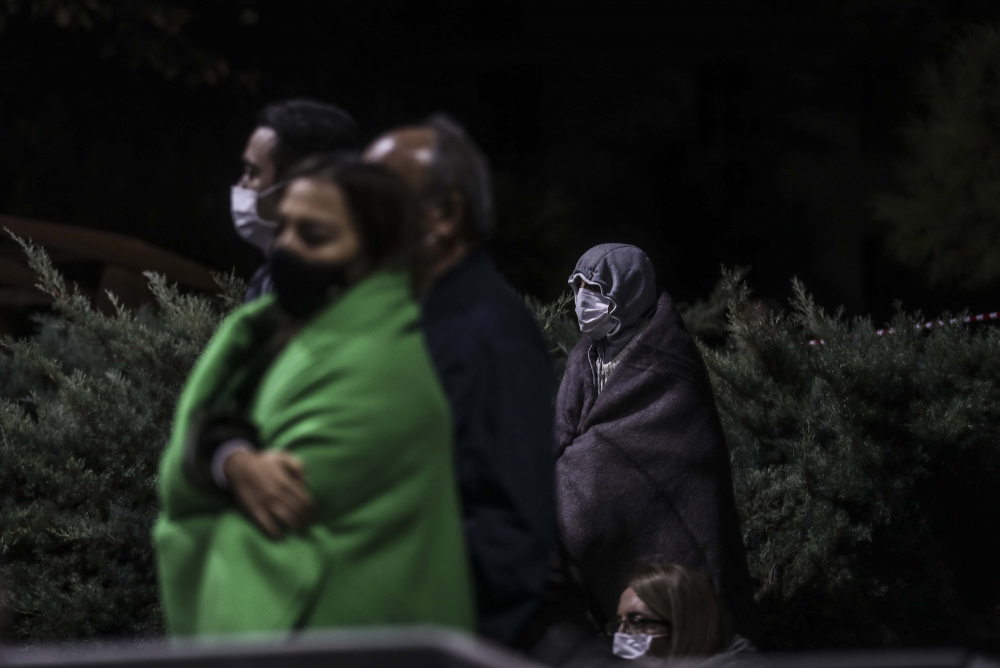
{"points": [[643, 470]]}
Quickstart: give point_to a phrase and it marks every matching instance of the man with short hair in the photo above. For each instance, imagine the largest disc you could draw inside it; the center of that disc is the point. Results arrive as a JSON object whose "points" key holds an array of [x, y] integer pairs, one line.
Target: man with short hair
{"points": [[494, 364], [286, 132]]}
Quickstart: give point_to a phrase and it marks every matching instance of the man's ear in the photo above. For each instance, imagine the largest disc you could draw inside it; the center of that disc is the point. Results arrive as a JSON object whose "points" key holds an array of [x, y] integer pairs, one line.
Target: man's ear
{"points": [[444, 220]]}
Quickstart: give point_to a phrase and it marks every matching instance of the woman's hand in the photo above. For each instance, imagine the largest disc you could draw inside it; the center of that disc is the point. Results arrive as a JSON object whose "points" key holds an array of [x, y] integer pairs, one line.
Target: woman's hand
{"points": [[271, 487]]}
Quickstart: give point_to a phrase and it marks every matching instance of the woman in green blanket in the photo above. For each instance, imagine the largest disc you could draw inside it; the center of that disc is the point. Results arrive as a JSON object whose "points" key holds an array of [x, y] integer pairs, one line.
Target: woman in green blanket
{"points": [[327, 380]]}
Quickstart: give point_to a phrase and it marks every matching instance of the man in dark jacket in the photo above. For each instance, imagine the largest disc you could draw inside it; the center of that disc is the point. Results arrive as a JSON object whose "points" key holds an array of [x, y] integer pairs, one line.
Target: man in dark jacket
{"points": [[493, 363], [286, 132], [643, 469]]}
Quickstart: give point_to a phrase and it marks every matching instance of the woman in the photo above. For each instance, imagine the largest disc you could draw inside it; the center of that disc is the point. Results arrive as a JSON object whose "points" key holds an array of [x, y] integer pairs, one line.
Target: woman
{"points": [[670, 612], [318, 407]]}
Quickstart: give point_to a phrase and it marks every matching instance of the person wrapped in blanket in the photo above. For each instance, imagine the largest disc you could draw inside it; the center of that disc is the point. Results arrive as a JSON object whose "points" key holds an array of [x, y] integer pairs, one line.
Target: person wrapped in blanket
{"points": [[309, 480], [643, 469]]}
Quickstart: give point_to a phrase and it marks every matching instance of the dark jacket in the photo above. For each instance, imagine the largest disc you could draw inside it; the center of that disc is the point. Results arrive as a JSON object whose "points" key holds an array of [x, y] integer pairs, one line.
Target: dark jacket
{"points": [[643, 470], [259, 284], [496, 371]]}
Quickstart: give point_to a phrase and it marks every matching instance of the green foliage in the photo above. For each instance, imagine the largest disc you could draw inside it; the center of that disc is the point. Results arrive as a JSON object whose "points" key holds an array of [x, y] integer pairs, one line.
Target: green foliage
{"points": [[78, 480], [864, 468], [706, 318], [945, 218], [864, 471], [141, 33], [558, 325]]}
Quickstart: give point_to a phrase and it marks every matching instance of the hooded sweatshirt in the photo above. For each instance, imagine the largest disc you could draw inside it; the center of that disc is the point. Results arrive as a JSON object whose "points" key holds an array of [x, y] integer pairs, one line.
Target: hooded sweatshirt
{"points": [[624, 274]]}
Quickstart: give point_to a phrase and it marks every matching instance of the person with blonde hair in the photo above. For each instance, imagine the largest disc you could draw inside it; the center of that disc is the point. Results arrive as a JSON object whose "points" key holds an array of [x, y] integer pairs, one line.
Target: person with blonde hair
{"points": [[671, 612]]}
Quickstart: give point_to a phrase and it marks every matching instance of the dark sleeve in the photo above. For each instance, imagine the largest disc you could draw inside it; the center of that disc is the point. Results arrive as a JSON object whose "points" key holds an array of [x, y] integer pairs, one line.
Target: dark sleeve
{"points": [[209, 435], [502, 398], [571, 397], [259, 284]]}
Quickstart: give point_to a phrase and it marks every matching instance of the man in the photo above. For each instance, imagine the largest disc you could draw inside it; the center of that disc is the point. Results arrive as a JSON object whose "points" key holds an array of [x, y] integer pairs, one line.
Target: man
{"points": [[286, 132], [493, 363], [643, 472]]}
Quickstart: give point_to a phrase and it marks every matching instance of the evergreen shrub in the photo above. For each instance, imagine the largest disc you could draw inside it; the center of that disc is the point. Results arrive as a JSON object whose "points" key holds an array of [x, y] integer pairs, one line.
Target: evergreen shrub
{"points": [[864, 467], [865, 472], [79, 455], [944, 216]]}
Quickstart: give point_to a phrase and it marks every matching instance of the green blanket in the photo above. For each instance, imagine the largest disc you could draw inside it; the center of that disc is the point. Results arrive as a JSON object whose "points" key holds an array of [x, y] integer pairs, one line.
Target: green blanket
{"points": [[355, 397]]}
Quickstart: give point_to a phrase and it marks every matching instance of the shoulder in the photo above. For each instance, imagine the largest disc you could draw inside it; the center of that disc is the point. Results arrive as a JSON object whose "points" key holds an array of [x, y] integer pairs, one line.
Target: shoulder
{"points": [[368, 331], [666, 335], [247, 326], [479, 310], [386, 361]]}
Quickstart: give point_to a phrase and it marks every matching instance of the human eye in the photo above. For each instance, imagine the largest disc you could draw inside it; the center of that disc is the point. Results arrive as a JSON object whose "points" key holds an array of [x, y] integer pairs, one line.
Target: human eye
{"points": [[640, 621], [251, 170], [314, 234]]}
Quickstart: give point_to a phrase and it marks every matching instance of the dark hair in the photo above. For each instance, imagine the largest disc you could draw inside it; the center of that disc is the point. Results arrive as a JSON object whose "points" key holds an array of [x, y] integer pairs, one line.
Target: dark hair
{"points": [[457, 165], [381, 205], [305, 127], [685, 598]]}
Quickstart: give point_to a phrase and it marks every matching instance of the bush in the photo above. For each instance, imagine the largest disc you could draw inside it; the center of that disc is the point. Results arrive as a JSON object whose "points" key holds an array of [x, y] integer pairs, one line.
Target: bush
{"points": [[78, 468], [864, 472], [945, 216], [864, 468]]}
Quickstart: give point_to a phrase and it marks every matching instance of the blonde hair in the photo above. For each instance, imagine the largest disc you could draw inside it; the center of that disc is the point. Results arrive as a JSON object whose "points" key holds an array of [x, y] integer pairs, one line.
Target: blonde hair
{"points": [[684, 598]]}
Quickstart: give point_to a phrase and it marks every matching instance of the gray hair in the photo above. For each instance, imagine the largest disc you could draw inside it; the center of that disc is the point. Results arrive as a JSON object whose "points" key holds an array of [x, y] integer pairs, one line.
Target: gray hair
{"points": [[458, 165]]}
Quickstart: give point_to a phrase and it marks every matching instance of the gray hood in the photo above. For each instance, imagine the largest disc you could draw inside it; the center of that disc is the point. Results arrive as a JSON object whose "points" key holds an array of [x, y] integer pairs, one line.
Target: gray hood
{"points": [[625, 274]]}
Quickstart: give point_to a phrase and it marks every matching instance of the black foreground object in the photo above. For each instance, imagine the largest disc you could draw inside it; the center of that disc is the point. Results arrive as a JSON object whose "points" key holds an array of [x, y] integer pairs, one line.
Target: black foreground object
{"points": [[382, 648], [423, 648], [909, 658]]}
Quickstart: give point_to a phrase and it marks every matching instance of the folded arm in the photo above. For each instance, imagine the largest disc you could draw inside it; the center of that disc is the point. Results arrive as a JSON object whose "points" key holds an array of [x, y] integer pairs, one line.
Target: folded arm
{"points": [[270, 486]]}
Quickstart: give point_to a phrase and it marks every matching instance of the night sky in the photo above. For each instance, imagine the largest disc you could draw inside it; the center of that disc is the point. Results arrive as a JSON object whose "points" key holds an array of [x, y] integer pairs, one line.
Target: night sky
{"points": [[707, 132]]}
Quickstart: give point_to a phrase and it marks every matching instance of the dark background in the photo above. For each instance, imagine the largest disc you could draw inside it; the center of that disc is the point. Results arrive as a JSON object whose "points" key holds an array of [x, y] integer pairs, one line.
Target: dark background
{"points": [[707, 132]]}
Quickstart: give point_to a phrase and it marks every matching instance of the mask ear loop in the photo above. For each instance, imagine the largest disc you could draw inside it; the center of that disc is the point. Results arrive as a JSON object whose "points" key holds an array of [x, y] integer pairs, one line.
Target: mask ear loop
{"points": [[273, 225], [272, 188], [611, 310]]}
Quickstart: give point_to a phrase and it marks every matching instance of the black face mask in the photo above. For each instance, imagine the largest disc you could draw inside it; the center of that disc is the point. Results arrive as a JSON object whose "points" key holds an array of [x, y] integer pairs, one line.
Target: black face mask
{"points": [[303, 287]]}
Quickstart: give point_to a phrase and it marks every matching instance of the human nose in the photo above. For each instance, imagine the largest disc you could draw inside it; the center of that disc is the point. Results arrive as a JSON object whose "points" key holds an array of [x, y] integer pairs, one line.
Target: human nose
{"points": [[282, 239]]}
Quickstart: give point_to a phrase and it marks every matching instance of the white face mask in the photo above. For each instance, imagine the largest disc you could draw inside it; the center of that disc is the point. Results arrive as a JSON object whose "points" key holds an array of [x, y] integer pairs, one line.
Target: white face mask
{"points": [[249, 225], [629, 646], [593, 310]]}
